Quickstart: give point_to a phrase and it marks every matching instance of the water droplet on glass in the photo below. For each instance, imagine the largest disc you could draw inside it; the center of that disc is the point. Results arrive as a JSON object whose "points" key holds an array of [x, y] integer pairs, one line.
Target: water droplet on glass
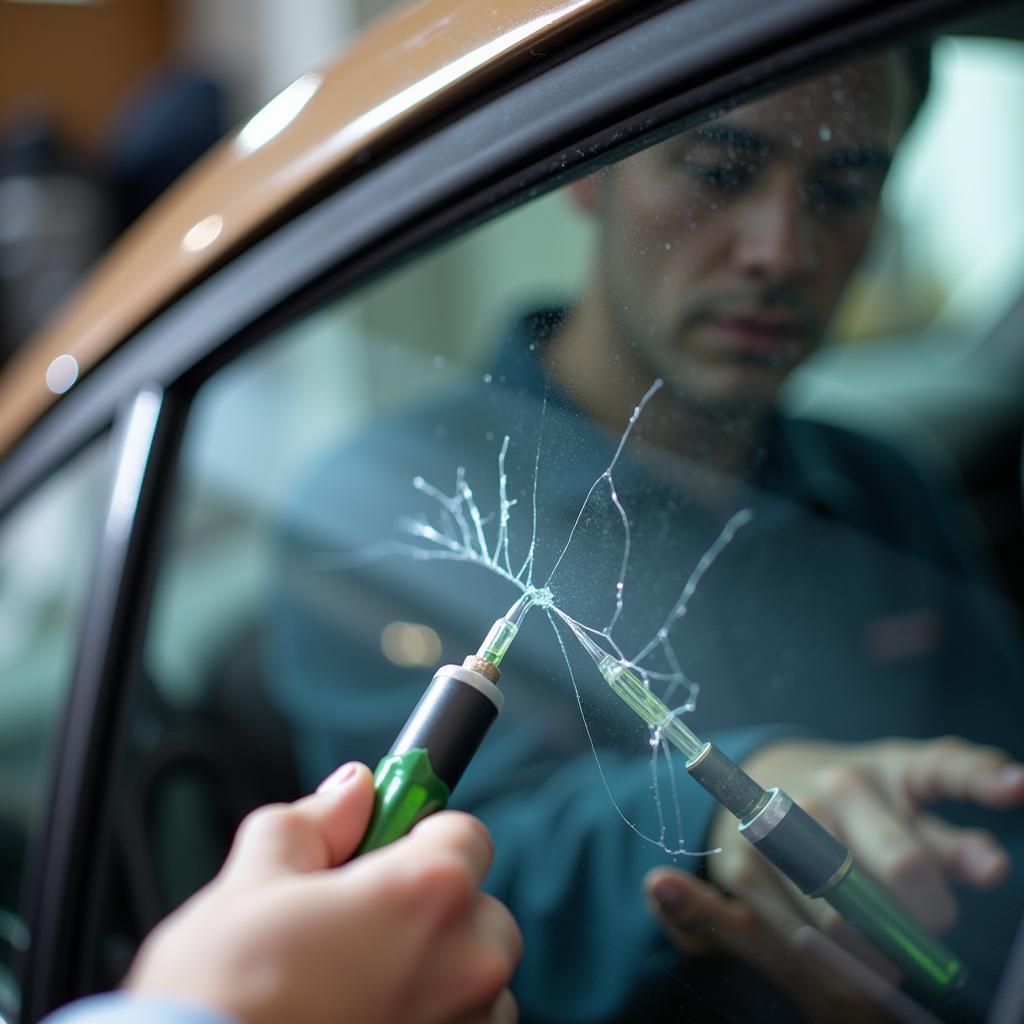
{"points": [[440, 362], [487, 378], [825, 133]]}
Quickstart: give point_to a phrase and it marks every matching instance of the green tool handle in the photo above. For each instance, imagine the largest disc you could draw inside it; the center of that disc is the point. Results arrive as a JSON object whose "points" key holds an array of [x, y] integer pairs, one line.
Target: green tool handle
{"points": [[931, 969], [407, 791]]}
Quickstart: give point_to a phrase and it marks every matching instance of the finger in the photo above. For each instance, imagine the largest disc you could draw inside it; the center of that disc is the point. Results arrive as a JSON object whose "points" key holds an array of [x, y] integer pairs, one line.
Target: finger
{"points": [[472, 961], [458, 833], [505, 1010], [879, 989], [954, 768], [970, 856], [788, 912], [794, 919], [774, 896], [887, 847], [495, 921], [714, 923], [697, 917], [317, 832]]}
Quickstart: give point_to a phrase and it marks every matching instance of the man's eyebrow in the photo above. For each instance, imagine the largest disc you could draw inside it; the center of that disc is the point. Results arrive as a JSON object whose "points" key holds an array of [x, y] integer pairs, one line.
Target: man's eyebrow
{"points": [[867, 157]]}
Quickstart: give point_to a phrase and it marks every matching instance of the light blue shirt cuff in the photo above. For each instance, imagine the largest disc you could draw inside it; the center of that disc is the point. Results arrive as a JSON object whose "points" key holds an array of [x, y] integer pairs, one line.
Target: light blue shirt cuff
{"points": [[131, 1008]]}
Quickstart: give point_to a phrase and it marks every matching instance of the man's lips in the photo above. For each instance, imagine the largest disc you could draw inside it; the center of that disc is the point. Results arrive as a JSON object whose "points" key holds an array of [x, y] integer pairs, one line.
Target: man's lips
{"points": [[759, 335]]}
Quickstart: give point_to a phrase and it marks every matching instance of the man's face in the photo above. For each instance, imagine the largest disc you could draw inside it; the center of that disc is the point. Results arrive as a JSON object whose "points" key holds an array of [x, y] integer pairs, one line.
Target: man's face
{"points": [[725, 250]]}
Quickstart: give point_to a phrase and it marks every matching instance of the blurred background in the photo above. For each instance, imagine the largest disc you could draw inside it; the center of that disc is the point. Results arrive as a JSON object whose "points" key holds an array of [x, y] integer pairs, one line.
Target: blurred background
{"points": [[103, 103]]}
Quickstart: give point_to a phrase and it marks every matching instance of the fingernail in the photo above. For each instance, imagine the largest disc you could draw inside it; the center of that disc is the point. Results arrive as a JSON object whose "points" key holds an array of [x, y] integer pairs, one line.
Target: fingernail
{"points": [[339, 778], [1012, 775], [985, 862]]}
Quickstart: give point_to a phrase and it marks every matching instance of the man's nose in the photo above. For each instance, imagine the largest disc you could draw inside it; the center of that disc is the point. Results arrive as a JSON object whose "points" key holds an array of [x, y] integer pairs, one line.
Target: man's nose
{"points": [[773, 240]]}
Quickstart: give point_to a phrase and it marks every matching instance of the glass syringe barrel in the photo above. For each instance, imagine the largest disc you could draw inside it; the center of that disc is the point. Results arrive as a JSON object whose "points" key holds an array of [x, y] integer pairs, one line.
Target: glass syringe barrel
{"points": [[500, 636], [725, 780], [632, 689]]}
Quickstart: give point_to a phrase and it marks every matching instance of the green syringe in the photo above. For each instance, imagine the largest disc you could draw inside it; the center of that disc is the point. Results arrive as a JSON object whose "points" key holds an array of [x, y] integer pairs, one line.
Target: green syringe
{"points": [[808, 854]]}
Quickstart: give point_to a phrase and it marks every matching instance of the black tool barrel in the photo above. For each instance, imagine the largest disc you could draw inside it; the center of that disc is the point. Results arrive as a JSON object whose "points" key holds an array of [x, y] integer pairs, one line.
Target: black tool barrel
{"points": [[804, 851], [450, 720], [727, 782]]}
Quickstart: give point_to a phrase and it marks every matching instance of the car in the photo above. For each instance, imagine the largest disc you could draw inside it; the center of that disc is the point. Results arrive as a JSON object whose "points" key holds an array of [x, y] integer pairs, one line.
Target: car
{"points": [[303, 436]]}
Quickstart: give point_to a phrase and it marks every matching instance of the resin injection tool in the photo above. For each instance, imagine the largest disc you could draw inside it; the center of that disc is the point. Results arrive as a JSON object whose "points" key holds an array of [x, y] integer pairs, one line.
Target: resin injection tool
{"points": [[808, 854], [416, 777]]}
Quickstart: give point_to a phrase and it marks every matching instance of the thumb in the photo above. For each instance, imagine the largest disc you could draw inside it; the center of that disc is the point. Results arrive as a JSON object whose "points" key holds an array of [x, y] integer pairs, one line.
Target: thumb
{"points": [[697, 917], [319, 831]]}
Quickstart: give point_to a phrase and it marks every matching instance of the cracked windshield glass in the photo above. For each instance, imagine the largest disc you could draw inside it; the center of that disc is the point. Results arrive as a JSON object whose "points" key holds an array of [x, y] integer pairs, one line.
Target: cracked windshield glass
{"points": [[711, 458]]}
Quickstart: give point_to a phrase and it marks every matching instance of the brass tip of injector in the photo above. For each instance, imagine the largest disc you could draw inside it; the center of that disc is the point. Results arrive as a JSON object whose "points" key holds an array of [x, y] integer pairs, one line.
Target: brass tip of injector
{"points": [[487, 669]]}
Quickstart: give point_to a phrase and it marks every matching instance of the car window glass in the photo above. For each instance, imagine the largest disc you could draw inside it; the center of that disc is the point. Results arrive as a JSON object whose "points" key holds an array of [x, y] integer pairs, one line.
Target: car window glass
{"points": [[735, 410], [47, 544]]}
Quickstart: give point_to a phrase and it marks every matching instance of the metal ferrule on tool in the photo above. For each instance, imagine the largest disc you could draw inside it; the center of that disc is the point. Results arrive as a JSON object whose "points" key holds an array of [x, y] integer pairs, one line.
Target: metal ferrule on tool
{"points": [[807, 854]]}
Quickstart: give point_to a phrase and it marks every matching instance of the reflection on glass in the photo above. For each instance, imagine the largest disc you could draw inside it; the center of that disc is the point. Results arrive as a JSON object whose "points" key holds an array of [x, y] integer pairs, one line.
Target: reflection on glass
{"points": [[410, 644], [46, 548], [719, 263]]}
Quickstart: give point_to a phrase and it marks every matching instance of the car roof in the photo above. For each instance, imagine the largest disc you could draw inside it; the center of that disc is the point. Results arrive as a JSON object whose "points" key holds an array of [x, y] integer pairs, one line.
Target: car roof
{"points": [[407, 66]]}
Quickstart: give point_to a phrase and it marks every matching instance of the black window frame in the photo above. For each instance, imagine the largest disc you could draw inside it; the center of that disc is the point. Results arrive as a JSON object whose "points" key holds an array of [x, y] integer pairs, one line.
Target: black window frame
{"points": [[526, 134]]}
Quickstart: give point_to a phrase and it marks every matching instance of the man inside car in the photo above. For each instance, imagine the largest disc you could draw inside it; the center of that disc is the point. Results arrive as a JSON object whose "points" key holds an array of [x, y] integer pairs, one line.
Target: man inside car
{"points": [[833, 640]]}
